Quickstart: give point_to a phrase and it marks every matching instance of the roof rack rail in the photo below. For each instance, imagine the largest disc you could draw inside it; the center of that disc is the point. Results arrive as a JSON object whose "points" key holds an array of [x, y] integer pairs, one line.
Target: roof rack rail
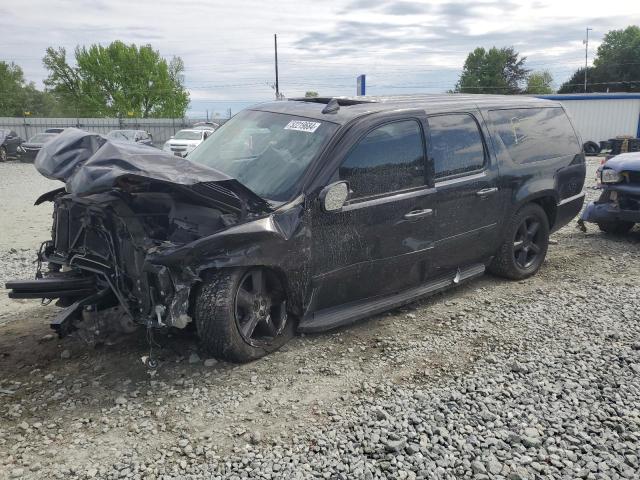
{"points": [[341, 101]]}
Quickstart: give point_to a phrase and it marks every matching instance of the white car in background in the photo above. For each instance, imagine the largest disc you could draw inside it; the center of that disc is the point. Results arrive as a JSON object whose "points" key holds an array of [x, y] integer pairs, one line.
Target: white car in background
{"points": [[185, 141]]}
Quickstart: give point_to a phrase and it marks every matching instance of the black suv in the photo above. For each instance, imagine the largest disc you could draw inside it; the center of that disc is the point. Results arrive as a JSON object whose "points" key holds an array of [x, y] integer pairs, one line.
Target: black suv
{"points": [[306, 214]]}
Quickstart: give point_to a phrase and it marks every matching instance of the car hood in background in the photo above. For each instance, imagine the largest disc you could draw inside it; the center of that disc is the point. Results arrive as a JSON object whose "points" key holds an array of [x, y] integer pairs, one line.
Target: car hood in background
{"points": [[89, 163], [624, 161]]}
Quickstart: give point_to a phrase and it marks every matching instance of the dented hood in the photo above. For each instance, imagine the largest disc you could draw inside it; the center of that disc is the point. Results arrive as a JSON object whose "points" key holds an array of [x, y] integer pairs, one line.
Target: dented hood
{"points": [[624, 161], [88, 163]]}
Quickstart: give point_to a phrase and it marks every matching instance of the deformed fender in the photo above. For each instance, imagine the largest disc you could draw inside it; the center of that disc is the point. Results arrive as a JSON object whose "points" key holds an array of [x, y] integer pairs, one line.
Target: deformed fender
{"points": [[280, 241]]}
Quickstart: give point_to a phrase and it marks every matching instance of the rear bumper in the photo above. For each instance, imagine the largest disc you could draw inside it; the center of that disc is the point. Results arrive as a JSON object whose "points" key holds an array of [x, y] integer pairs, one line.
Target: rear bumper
{"points": [[567, 210], [28, 156]]}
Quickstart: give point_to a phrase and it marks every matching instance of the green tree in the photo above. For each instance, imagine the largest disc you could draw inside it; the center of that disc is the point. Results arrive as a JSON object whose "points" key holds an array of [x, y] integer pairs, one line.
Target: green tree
{"points": [[118, 80], [619, 56], [539, 83], [41, 103], [616, 67], [493, 71], [310, 94], [575, 84], [19, 97], [11, 85]]}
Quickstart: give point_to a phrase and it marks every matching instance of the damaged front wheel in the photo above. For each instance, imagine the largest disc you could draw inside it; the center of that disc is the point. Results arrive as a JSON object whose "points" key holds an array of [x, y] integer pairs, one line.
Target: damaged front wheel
{"points": [[241, 314]]}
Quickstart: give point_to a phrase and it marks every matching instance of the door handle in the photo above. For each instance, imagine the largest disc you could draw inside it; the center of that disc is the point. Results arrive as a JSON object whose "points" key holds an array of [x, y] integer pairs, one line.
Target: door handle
{"points": [[417, 214], [485, 192]]}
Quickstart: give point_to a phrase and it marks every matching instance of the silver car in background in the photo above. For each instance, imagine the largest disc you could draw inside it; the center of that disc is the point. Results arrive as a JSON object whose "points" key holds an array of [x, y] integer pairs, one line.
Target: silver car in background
{"points": [[185, 141]]}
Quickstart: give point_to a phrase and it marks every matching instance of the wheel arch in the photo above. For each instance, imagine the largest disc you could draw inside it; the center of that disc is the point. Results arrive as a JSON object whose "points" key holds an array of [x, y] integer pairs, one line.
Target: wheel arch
{"points": [[547, 200], [550, 207]]}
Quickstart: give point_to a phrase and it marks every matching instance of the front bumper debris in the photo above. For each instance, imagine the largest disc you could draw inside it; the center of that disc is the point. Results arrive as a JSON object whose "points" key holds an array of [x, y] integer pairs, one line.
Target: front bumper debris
{"points": [[620, 203], [51, 287]]}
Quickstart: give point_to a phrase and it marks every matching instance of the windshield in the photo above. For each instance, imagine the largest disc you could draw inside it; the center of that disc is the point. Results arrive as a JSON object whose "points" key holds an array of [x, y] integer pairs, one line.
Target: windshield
{"points": [[188, 135], [128, 135], [267, 152], [42, 137]]}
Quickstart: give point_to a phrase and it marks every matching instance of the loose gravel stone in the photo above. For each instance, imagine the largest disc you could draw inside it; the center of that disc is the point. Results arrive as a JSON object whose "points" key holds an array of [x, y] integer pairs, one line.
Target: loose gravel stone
{"points": [[496, 380]]}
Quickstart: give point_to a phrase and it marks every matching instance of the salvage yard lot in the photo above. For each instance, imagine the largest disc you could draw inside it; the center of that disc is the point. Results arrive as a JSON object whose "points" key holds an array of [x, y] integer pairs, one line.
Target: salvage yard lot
{"points": [[497, 379]]}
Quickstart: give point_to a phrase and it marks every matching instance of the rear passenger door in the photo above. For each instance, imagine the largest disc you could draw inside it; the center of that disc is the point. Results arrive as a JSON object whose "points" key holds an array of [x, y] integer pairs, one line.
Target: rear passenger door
{"points": [[469, 202]]}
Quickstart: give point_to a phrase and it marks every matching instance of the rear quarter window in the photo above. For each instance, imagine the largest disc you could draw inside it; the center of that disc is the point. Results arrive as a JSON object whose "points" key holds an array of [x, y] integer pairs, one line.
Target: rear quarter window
{"points": [[535, 134]]}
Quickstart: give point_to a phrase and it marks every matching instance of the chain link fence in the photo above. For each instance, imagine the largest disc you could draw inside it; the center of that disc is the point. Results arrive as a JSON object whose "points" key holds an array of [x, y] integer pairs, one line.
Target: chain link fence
{"points": [[159, 128]]}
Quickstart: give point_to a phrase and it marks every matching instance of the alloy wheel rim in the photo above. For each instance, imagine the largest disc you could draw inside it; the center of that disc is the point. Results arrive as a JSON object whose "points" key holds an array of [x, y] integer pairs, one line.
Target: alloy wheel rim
{"points": [[260, 308], [527, 242]]}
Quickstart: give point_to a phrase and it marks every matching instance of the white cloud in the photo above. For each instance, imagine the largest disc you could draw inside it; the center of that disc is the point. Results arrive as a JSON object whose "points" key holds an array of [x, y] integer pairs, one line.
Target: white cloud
{"points": [[227, 47]]}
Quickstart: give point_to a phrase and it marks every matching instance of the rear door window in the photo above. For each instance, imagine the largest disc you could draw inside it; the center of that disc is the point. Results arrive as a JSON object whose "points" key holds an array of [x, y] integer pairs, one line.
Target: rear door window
{"points": [[535, 134], [456, 145], [389, 158]]}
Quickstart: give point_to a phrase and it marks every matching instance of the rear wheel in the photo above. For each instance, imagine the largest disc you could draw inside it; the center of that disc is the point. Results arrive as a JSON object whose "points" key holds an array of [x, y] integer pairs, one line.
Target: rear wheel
{"points": [[241, 314], [3, 154], [616, 228], [525, 244]]}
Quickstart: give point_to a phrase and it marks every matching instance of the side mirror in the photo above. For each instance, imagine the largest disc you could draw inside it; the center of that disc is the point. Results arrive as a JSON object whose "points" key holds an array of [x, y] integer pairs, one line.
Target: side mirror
{"points": [[333, 197]]}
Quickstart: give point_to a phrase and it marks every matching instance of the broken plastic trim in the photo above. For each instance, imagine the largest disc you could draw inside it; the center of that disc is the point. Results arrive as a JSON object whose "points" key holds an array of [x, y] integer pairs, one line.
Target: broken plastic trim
{"points": [[332, 107]]}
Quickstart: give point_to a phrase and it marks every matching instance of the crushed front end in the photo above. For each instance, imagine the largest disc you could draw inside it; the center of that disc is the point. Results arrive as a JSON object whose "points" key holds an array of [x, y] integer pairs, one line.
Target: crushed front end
{"points": [[619, 202], [97, 257], [108, 225]]}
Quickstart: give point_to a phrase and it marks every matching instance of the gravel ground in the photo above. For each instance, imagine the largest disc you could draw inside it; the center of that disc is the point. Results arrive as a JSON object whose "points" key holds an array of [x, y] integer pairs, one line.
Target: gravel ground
{"points": [[493, 380]]}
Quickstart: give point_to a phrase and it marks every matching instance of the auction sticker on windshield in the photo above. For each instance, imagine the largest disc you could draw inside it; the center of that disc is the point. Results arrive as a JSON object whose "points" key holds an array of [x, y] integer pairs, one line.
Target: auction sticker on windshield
{"points": [[302, 126]]}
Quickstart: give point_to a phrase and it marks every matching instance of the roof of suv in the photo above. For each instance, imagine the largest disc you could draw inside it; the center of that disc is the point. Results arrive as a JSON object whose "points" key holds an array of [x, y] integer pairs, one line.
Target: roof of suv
{"points": [[352, 107]]}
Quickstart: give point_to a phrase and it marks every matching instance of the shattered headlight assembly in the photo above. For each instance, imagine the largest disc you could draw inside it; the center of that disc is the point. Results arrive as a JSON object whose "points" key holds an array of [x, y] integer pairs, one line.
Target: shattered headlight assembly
{"points": [[609, 175]]}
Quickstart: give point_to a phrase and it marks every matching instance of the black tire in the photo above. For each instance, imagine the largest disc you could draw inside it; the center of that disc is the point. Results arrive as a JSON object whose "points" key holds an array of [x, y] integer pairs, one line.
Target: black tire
{"points": [[591, 148], [3, 154], [616, 228], [219, 315], [510, 261]]}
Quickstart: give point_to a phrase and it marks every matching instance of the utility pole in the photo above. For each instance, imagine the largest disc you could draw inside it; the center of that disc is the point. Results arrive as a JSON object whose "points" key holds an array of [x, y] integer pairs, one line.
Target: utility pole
{"points": [[275, 44], [586, 57]]}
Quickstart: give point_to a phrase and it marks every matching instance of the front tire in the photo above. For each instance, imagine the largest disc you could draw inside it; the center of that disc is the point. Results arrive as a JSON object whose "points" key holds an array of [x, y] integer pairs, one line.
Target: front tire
{"points": [[241, 314], [3, 154], [525, 244], [616, 227]]}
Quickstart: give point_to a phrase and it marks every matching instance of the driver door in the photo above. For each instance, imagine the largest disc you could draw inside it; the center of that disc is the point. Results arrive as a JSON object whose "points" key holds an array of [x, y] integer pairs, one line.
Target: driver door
{"points": [[379, 242]]}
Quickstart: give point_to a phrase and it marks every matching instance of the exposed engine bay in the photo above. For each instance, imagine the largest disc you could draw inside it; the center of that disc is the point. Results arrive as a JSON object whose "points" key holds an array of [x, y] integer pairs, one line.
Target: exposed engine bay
{"points": [[99, 264]]}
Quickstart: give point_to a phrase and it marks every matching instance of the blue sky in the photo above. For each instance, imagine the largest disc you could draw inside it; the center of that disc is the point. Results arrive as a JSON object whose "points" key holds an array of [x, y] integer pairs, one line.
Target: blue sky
{"points": [[402, 46]]}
